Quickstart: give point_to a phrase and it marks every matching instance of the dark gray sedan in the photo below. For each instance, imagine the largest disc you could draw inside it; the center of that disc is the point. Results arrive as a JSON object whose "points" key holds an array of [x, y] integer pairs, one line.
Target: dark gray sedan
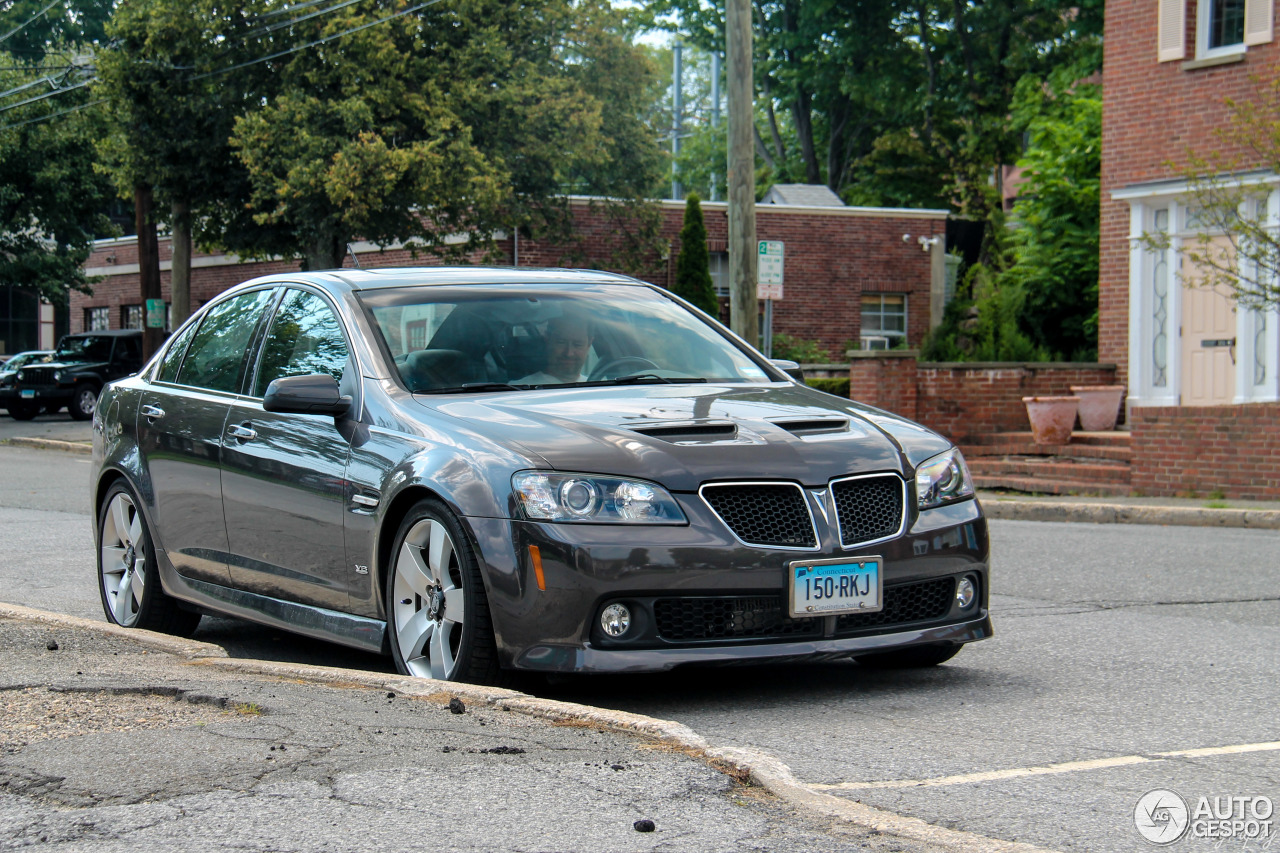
{"points": [[478, 471]]}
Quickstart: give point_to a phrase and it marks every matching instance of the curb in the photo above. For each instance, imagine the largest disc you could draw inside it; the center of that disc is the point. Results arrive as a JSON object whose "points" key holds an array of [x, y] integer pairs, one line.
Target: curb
{"points": [[745, 765], [1095, 513], [51, 444]]}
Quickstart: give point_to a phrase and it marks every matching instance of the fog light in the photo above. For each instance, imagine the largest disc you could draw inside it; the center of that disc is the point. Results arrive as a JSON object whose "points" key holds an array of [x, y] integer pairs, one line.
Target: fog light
{"points": [[965, 593], [615, 620]]}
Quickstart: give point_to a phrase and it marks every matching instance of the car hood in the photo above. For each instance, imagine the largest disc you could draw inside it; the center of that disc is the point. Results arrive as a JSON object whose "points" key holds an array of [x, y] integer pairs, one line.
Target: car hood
{"points": [[683, 435]]}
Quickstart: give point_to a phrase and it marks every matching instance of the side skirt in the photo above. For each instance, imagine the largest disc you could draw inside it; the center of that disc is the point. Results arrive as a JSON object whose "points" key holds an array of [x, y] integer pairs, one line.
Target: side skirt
{"points": [[345, 629]]}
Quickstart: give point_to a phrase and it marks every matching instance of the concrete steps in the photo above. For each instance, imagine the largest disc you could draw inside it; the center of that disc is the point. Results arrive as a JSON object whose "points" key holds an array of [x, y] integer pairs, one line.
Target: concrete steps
{"points": [[1090, 464]]}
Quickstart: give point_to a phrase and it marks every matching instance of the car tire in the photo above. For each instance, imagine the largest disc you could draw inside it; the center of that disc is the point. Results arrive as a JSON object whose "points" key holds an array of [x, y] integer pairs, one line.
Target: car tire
{"points": [[127, 564], [437, 612], [915, 657], [84, 402], [23, 411]]}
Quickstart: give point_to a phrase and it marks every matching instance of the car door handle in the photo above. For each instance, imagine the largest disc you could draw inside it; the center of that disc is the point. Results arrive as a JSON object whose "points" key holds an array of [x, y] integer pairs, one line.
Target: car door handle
{"points": [[242, 432], [152, 413]]}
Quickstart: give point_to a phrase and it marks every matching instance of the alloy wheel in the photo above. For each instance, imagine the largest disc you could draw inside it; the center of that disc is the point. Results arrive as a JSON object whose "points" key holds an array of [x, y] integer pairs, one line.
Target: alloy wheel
{"points": [[123, 560], [428, 601]]}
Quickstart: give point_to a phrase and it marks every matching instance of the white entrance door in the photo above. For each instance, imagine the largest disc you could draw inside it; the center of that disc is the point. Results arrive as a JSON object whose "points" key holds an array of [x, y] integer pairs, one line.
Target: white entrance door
{"points": [[1208, 339]]}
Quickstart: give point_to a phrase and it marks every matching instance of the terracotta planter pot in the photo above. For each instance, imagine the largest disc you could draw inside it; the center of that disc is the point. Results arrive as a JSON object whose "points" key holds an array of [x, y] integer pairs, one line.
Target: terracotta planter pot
{"points": [[1099, 406], [1051, 418]]}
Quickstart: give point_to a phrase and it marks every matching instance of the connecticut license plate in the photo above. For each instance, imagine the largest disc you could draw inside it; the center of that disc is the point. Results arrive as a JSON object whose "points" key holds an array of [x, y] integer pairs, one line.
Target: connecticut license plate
{"points": [[833, 587]]}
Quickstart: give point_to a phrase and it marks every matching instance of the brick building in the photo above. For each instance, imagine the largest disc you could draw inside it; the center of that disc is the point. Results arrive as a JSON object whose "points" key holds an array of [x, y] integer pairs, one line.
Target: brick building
{"points": [[1168, 69], [1203, 376], [850, 273]]}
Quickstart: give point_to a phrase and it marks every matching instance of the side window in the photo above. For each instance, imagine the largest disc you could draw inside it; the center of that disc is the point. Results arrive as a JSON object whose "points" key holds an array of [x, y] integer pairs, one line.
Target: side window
{"points": [[305, 338], [173, 357], [215, 359], [129, 352]]}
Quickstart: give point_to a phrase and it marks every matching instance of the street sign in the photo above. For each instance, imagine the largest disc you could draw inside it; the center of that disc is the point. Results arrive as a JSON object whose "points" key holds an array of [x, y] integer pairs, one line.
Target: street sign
{"points": [[769, 275], [155, 313]]}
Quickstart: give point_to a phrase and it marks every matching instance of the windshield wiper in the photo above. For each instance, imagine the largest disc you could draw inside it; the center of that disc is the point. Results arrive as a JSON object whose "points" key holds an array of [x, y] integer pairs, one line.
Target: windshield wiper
{"points": [[468, 387], [642, 378]]}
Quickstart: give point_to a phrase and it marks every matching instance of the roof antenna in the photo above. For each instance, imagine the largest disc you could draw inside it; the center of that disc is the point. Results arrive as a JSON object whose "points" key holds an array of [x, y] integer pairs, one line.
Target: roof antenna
{"points": [[354, 259]]}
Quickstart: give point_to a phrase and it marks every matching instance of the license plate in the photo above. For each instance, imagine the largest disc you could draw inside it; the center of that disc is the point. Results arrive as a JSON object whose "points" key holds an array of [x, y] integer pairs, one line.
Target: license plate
{"points": [[28, 394], [833, 587]]}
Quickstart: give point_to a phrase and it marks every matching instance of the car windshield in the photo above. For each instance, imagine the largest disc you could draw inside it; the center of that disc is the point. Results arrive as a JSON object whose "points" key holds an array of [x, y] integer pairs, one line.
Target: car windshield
{"points": [[512, 337], [86, 348], [25, 358]]}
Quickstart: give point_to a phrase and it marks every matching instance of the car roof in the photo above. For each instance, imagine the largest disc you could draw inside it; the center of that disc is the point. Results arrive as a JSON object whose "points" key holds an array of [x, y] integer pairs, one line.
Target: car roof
{"points": [[384, 277]]}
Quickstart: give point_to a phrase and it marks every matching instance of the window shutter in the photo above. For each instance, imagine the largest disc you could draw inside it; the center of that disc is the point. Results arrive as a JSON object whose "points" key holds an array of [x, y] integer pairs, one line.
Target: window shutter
{"points": [[1172, 29], [1258, 16]]}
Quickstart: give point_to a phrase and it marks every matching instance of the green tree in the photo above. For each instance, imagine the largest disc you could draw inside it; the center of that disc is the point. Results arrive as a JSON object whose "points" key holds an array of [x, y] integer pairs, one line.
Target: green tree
{"points": [[693, 269], [452, 122], [52, 202], [1056, 215]]}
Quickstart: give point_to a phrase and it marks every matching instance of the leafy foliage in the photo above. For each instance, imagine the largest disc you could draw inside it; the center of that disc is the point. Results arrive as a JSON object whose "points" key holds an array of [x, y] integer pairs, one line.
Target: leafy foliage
{"points": [[1055, 244], [799, 350], [693, 268], [51, 200]]}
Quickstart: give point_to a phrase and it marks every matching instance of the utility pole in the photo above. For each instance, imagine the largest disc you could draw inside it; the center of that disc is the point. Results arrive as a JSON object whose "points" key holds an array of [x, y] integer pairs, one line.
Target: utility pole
{"points": [[743, 308], [148, 264], [715, 116], [677, 114]]}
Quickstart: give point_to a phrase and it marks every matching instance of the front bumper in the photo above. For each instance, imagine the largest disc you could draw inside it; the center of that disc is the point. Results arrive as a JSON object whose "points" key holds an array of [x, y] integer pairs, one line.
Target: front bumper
{"points": [[701, 569], [588, 659]]}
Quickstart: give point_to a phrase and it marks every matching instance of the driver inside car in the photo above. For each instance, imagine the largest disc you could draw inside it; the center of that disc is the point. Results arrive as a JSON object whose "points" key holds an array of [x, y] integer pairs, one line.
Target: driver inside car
{"points": [[566, 344]]}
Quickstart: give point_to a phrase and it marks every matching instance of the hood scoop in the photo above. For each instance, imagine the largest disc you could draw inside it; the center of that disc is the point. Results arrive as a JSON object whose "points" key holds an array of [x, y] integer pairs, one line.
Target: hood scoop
{"points": [[814, 426], [681, 433]]}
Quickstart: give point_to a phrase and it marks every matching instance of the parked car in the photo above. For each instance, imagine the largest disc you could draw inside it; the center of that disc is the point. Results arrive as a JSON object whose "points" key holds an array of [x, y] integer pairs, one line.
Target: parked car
{"points": [[478, 471], [81, 365], [9, 370]]}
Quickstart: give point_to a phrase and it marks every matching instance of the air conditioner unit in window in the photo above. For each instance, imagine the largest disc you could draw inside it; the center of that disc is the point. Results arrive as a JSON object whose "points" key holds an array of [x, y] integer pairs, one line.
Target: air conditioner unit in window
{"points": [[875, 342]]}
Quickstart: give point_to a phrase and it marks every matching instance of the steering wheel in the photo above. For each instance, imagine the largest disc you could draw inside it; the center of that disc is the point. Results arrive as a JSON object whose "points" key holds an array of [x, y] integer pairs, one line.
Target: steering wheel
{"points": [[621, 366]]}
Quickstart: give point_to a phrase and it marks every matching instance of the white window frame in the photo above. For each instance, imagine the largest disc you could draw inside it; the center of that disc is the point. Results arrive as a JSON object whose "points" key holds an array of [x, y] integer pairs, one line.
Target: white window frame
{"points": [[1204, 21], [892, 336], [95, 315]]}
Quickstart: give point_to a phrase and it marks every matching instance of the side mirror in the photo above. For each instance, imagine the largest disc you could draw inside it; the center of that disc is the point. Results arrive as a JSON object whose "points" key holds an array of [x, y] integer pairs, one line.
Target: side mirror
{"points": [[316, 394], [790, 368]]}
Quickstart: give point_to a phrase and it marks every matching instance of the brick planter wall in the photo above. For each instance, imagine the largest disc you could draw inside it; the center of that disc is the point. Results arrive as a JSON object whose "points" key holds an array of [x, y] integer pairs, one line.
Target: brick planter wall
{"points": [[968, 399], [1233, 449]]}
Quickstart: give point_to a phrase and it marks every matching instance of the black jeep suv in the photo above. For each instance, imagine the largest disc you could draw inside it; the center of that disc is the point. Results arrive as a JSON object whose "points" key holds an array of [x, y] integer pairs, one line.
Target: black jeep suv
{"points": [[82, 364]]}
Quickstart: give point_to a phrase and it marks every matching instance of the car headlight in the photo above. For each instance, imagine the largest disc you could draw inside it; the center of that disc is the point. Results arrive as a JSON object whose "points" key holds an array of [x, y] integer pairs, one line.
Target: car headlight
{"points": [[57, 376], [942, 480], [547, 496]]}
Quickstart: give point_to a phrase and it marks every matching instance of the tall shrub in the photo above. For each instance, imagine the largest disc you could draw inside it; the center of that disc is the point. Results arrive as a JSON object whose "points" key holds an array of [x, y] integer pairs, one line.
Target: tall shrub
{"points": [[693, 269]]}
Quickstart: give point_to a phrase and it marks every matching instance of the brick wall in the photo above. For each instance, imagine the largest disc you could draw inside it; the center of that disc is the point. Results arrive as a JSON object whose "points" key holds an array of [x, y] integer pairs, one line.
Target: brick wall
{"points": [[833, 256], [1232, 449], [1153, 112], [963, 400]]}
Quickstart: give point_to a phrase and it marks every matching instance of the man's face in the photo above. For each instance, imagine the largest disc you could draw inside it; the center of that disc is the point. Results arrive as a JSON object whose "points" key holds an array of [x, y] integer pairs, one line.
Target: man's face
{"points": [[567, 346]]}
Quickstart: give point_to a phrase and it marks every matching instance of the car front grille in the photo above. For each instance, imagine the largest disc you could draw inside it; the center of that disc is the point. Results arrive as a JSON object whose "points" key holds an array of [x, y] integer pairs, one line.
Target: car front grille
{"points": [[772, 514], [687, 620], [903, 604], [764, 617], [38, 375], [868, 508]]}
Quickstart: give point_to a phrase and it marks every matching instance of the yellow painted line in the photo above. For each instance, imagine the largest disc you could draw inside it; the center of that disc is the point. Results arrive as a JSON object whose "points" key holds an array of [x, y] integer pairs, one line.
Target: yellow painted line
{"points": [[1238, 749], [990, 775], [1048, 769]]}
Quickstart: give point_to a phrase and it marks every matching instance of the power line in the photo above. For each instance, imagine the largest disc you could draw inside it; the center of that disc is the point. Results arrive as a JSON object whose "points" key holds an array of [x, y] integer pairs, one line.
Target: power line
{"points": [[54, 115], [52, 94], [258, 30], [30, 20], [316, 42]]}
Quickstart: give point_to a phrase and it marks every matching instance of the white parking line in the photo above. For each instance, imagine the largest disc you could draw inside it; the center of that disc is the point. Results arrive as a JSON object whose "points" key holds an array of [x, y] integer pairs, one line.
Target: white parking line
{"points": [[1049, 769]]}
